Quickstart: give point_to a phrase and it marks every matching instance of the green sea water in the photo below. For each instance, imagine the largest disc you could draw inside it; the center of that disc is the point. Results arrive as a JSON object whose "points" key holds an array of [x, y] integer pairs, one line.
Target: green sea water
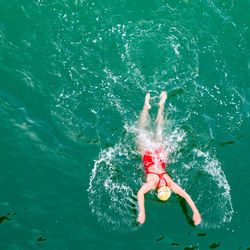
{"points": [[73, 76]]}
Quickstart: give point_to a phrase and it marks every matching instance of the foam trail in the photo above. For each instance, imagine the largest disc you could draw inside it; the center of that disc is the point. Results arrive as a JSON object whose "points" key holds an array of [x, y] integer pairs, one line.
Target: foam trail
{"points": [[219, 197], [114, 183], [111, 197]]}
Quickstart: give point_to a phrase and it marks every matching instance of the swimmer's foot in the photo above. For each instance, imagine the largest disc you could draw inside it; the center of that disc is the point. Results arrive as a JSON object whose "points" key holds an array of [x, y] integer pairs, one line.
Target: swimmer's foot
{"points": [[147, 100], [163, 98]]}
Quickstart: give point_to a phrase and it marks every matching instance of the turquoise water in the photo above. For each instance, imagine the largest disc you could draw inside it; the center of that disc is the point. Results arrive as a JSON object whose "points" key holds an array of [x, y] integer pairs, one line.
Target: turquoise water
{"points": [[73, 79]]}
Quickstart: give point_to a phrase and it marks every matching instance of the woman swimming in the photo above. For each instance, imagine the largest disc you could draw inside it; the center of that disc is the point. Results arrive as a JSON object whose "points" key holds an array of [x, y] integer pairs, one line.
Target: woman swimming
{"points": [[154, 160]]}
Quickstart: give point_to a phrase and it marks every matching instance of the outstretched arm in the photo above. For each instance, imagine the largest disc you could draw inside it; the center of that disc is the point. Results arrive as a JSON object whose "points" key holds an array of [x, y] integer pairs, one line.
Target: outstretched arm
{"points": [[177, 189], [140, 196]]}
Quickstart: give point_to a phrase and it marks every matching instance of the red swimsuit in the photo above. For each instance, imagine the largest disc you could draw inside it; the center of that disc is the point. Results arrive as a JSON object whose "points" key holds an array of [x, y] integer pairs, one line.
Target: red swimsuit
{"points": [[149, 158]]}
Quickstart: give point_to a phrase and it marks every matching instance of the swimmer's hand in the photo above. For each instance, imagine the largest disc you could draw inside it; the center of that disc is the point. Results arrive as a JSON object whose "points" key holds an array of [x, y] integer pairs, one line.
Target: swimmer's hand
{"points": [[141, 218], [197, 218]]}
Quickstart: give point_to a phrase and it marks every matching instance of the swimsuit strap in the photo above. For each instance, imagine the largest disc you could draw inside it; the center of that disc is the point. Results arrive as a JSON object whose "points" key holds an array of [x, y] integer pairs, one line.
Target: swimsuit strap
{"points": [[160, 177]]}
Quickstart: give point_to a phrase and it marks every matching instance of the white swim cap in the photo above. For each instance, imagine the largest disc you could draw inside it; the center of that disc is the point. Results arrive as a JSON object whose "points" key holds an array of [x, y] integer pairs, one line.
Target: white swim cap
{"points": [[164, 193]]}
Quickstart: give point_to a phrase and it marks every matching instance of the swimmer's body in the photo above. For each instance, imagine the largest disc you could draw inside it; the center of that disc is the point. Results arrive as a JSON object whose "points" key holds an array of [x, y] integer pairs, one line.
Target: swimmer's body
{"points": [[154, 163]]}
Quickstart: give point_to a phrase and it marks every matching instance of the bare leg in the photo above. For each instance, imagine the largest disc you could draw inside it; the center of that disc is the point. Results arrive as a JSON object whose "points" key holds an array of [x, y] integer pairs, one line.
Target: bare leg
{"points": [[144, 114], [160, 116], [142, 124]]}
